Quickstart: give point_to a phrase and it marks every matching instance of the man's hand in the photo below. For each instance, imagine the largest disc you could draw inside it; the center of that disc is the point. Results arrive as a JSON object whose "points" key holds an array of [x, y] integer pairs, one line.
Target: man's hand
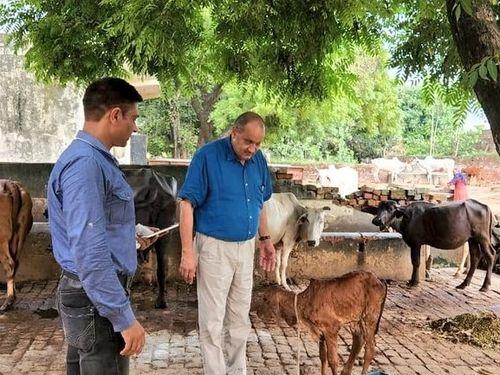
{"points": [[188, 266], [267, 255], [134, 337]]}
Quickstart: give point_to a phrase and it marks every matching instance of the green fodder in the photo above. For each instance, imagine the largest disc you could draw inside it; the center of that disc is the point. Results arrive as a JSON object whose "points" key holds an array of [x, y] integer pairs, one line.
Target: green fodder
{"points": [[482, 329]]}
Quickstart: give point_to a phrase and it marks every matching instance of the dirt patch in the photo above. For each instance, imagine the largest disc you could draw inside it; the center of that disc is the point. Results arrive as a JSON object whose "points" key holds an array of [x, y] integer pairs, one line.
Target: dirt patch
{"points": [[482, 329]]}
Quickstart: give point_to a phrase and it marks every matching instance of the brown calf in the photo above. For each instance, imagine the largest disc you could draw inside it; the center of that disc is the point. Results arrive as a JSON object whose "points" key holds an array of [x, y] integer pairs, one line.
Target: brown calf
{"points": [[355, 300], [15, 223]]}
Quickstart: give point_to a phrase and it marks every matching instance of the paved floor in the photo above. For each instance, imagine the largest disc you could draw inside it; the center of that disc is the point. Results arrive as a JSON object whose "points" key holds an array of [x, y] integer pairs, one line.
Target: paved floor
{"points": [[31, 340]]}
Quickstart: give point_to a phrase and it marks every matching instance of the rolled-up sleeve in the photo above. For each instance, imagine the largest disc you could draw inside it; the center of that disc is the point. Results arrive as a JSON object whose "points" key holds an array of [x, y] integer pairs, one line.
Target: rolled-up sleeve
{"points": [[267, 182], [83, 202], [195, 186]]}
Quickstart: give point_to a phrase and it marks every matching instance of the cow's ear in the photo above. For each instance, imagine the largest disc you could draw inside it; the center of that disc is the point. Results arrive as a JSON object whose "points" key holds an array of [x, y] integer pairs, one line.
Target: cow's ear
{"points": [[302, 219], [326, 208], [399, 212]]}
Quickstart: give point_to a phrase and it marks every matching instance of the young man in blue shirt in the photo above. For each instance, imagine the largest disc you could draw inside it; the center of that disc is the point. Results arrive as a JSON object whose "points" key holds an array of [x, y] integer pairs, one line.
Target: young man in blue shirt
{"points": [[226, 186], [92, 223]]}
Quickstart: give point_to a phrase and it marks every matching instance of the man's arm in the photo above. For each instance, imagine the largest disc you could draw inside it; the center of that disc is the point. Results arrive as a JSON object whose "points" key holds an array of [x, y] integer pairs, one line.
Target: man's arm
{"points": [[188, 264], [267, 253]]}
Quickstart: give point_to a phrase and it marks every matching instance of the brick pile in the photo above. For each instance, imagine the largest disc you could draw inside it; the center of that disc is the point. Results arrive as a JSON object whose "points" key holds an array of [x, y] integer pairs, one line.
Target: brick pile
{"points": [[369, 196], [291, 180]]}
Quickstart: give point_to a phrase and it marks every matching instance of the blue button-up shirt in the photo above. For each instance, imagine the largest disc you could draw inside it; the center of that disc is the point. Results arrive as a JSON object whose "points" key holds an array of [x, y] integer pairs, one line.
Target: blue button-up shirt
{"points": [[227, 196], [92, 224]]}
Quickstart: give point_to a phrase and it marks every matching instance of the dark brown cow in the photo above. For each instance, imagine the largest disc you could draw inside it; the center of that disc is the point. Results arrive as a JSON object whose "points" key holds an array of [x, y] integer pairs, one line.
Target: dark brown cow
{"points": [[355, 300], [446, 226], [15, 223]]}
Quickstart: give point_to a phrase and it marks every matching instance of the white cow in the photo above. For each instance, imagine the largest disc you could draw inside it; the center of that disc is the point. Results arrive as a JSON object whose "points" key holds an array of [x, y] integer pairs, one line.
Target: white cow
{"points": [[290, 223], [394, 166], [345, 179], [432, 165]]}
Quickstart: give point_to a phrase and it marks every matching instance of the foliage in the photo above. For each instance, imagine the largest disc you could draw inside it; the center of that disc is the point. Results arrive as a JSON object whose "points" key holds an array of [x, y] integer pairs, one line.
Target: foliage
{"points": [[422, 117], [155, 122], [364, 113]]}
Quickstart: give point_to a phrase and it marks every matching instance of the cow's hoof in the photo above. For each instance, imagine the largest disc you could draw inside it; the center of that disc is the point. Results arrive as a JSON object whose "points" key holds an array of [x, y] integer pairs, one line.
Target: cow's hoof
{"points": [[461, 286], [412, 284], [484, 289], [160, 305], [7, 305]]}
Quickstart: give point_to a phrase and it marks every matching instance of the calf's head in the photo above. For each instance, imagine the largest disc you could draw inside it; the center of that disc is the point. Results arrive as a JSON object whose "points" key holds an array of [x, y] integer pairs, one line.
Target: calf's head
{"points": [[311, 225], [387, 213], [275, 306]]}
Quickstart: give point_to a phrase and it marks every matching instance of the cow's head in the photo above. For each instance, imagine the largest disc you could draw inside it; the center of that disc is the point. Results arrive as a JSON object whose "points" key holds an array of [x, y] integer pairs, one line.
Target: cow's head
{"points": [[387, 213], [274, 306], [311, 225]]}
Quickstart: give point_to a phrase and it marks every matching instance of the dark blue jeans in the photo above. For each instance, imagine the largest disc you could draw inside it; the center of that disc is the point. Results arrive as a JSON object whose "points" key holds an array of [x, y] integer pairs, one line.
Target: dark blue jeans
{"points": [[93, 346]]}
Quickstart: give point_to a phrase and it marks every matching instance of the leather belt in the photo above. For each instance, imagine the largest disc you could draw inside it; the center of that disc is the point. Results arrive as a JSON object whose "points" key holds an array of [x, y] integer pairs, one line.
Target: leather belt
{"points": [[125, 280]]}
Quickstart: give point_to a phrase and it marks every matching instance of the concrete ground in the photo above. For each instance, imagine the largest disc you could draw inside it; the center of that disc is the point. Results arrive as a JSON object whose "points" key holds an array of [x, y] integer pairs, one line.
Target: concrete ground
{"points": [[31, 340]]}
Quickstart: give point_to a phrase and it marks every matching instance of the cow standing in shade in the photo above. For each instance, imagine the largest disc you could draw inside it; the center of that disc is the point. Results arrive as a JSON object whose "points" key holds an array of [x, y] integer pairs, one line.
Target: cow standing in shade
{"points": [[155, 205], [446, 226], [290, 223], [15, 223]]}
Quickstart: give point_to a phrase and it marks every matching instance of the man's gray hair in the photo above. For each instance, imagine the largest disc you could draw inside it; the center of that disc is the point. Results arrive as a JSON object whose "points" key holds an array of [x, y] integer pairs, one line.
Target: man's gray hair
{"points": [[245, 118]]}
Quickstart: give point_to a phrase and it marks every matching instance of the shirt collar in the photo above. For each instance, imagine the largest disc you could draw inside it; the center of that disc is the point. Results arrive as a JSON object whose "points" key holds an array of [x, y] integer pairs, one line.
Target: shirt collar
{"points": [[82, 135], [230, 154]]}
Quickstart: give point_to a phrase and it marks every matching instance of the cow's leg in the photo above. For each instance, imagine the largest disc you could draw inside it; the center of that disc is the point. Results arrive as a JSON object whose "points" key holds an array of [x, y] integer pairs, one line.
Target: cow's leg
{"points": [[428, 261], [474, 261], [488, 253], [277, 268], [415, 261], [9, 266], [357, 343], [323, 355], [465, 253], [369, 348], [284, 264], [332, 351], [160, 274]]}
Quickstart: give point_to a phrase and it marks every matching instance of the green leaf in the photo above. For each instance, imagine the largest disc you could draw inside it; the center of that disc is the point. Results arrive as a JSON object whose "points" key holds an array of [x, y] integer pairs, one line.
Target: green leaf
{"points": [[483, 72], [473, 78], [467, 5], [458, 10], [492, 69]]}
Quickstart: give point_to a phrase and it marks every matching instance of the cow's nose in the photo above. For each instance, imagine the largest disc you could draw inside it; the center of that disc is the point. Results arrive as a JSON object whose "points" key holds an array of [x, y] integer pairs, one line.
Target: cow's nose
{"points": [[376, 221], [311, 243]]}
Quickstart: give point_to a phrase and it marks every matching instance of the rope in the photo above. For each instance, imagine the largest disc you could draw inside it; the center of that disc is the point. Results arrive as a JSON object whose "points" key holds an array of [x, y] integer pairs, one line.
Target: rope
{"points": [[298, 331]]}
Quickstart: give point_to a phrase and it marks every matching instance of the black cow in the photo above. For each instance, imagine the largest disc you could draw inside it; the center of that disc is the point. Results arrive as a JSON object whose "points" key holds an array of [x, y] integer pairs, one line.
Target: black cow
{"points": [[155, 205], [445, 226]]}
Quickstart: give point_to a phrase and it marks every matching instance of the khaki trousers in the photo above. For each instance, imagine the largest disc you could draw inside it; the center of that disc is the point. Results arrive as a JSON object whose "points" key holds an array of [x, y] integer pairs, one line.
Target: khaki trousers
{"points": [[224, 285]]}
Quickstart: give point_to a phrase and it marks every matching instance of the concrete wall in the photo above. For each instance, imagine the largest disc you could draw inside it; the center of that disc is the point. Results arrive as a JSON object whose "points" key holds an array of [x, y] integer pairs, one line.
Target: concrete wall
{"points": [[384, 254], [36, 121]]}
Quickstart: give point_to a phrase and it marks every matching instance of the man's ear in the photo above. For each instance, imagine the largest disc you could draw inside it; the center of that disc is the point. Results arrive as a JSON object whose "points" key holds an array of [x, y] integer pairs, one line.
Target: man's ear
{"points": [[114, 114]]}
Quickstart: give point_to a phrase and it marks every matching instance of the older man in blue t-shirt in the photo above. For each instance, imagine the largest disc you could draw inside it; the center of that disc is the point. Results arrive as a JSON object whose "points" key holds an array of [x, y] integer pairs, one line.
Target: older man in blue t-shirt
{"points": [[226, 186]]}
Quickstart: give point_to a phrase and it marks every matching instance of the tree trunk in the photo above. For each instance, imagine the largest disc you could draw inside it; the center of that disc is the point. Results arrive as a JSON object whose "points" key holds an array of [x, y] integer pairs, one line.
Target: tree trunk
{"points": [[175, 121], [477, 36], [203, 104]]}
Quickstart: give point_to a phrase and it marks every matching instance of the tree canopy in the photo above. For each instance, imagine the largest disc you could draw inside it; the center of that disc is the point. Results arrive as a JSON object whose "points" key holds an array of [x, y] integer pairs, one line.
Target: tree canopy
{"points": [[296, 49]]}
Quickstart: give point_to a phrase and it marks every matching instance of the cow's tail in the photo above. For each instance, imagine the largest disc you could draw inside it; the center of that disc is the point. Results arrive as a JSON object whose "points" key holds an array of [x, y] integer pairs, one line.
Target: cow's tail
{"points": [[490, 227], [381, 306]]}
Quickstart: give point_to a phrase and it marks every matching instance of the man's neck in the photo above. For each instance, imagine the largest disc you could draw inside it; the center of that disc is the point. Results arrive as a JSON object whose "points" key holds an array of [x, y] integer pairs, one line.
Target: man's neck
{"points": [[95, 130]]}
